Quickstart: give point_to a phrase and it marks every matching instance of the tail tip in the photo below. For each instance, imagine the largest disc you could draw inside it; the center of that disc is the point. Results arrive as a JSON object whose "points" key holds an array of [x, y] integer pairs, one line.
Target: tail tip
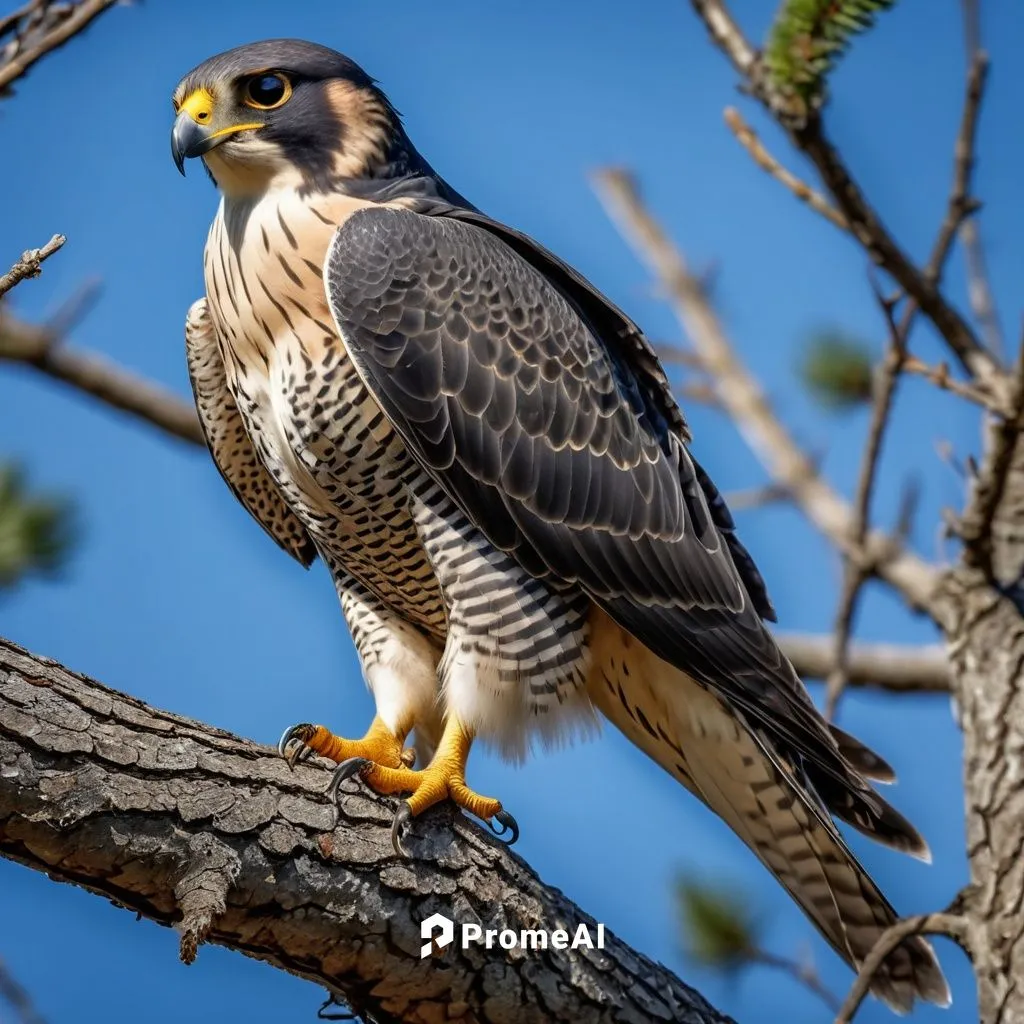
{"points": [[926, 981]]}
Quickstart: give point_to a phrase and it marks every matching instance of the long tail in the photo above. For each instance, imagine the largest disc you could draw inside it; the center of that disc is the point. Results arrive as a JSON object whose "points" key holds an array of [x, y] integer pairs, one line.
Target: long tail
{"points": [[772, 805]]}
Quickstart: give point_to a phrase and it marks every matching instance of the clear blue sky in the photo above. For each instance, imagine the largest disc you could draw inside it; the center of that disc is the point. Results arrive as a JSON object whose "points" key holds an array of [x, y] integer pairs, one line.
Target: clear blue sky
{"points": [[177, 597]]}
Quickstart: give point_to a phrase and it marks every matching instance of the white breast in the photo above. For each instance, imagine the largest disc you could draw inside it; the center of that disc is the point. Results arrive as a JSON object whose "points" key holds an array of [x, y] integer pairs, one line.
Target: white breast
{"points": [[331, 451]]}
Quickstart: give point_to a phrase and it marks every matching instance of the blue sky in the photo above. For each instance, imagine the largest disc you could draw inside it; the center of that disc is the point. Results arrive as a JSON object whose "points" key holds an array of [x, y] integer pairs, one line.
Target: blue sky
{"points": [[177, 597]]}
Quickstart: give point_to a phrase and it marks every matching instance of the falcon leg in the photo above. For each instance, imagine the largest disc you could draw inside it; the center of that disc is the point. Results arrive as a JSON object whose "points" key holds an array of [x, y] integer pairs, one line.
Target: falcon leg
{"points": [[444, 778], [380, 745]]}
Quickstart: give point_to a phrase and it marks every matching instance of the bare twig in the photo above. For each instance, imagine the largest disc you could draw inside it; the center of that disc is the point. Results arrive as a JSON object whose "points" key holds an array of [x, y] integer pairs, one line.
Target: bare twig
{"points": [[979, 290], [17, 998], [803, 973], [41, 349], [960, 204], [727, 35], [952, 925], [30, 264], [38, 28], [873, 235], [744, 401], [858, 568], [864, 223], [940, 376], [855, 575], [753, 145]]}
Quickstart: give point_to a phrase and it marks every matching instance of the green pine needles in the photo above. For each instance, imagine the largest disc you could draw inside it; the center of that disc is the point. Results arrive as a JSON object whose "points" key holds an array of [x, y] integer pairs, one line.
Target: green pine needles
{"points": [[806, 42], [36, 533]]}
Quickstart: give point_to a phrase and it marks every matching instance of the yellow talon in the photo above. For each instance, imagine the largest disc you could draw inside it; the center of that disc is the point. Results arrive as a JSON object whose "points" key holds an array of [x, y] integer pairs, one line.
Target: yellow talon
{"points": [[380, 745], [444, 778]]}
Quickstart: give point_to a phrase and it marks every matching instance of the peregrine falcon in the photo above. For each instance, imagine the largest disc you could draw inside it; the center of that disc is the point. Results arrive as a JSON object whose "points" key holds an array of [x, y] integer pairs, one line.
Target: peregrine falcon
{"points": [[487, 455]]}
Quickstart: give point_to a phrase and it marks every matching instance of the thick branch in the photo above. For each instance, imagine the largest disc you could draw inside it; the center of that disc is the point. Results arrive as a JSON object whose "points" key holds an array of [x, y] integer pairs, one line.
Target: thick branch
{"points": [[746, 404], [192, 827], [891, 667], [41, 349]]}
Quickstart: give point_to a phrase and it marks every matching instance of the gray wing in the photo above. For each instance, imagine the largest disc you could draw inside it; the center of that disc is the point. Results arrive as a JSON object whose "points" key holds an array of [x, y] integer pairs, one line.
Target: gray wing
{"points": [[560, 450], [232, 451]]}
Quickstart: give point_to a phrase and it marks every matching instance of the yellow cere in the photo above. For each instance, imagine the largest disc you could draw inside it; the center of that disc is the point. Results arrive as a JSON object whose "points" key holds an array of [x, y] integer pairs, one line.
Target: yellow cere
{"points": [[198, 105]]}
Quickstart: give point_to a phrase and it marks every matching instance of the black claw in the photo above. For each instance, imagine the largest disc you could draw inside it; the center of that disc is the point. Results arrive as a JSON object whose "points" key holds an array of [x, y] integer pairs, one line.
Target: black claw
{"points": [[403, 816], [286, 738], [298, 753], [508, 824], [345, 770], [292, 746]]}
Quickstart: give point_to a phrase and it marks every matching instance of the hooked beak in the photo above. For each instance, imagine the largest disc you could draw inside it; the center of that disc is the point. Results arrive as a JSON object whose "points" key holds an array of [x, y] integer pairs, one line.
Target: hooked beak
{"points": [[189, 139]]}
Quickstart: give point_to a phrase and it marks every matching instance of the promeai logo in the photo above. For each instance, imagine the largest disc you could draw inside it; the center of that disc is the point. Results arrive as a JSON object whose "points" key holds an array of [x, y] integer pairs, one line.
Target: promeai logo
{"points": [[439, 931], [445, 929]]}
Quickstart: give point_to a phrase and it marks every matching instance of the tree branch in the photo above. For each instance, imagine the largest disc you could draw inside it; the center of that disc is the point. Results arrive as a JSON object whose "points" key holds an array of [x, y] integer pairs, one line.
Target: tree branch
{"points": [[802, 973], [37, 29], [727, 35], [857, 567], [746, 404], [891, 667], [30, 264], [193, 828], [809, 136], [1003, 436], [979, 289], [951, 925], [41, 348], [748, 139], [939, 375]]}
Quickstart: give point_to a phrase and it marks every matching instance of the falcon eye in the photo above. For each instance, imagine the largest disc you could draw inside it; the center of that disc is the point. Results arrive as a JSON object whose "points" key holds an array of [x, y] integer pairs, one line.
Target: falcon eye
{"points": [[265, 92]]}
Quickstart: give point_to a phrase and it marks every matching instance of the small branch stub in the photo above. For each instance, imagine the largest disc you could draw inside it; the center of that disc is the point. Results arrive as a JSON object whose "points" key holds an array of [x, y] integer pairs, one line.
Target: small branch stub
{"points": [[30, 264], [202, 891]]}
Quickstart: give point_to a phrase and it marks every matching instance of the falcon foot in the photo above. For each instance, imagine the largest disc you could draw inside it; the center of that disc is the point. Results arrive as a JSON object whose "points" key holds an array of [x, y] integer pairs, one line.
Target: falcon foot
{"points": [[379, 745], [444, 778]]}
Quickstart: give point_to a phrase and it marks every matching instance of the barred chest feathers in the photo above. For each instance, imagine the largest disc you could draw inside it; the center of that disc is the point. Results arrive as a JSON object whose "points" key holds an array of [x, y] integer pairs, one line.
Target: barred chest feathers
{"points": [[331, 451], [516, 652]]}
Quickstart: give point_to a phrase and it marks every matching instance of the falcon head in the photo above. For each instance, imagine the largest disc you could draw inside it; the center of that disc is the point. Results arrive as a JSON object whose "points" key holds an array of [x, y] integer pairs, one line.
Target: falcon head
{"points": [[285, 112]]}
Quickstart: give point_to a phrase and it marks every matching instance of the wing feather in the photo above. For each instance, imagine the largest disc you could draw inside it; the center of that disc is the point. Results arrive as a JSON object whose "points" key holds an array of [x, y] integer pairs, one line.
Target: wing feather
{"points": [[559, 445], [551, 440]]}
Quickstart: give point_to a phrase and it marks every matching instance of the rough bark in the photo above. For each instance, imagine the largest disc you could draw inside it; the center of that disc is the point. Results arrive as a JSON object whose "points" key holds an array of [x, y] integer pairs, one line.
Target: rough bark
{"points": [[1008, 523], [985, 632], [194, 828]]}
